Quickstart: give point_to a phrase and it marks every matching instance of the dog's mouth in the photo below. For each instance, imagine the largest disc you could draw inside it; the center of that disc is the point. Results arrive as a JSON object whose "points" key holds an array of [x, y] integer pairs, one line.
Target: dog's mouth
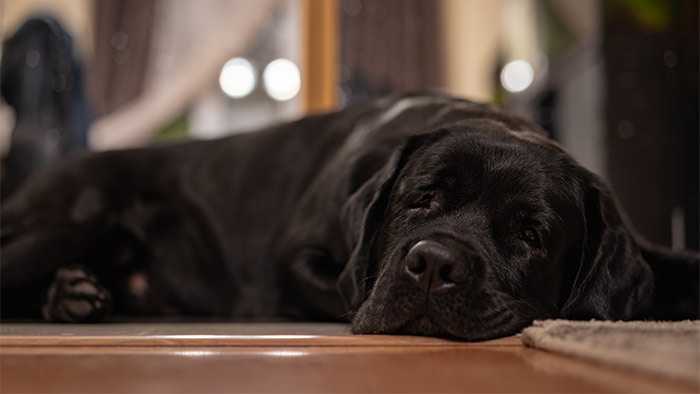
{"points": [[412, 324], [486, 319], [423, 325]]}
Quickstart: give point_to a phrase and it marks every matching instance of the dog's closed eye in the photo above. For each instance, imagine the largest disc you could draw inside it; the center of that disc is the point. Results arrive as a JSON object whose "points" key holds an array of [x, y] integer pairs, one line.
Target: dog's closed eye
{"points": [[430, 194], [424, 202], [528, 232], [530, 236]]}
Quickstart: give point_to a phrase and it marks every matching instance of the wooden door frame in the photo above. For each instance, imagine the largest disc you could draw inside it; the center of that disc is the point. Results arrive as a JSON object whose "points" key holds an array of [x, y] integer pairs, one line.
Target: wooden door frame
{"points": [[319, 25]]}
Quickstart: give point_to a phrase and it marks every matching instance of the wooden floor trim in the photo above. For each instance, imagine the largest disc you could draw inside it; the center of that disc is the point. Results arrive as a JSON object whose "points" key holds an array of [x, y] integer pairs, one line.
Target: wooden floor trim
{"points": [[244, 341]]}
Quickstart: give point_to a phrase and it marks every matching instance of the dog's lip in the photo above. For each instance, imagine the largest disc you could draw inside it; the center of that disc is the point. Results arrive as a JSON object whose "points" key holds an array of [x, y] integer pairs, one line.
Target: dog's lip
{"points": [[445, 331], [421, 320], [430, 321], [423, 314]]}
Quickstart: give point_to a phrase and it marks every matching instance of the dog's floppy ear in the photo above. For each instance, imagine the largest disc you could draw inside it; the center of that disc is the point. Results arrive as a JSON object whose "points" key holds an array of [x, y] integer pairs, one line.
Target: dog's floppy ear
{"points": [[362, 217], [611, 279]]}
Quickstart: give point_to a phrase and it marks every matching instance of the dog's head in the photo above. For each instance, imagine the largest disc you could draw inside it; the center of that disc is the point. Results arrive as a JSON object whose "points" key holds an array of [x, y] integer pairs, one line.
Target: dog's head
{"points": [[473, 231]]}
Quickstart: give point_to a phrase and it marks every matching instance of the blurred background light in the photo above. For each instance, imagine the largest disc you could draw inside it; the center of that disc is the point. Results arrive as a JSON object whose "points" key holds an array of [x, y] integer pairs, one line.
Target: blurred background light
{"points": [[282, 79], [517, 76], [237, 78]]}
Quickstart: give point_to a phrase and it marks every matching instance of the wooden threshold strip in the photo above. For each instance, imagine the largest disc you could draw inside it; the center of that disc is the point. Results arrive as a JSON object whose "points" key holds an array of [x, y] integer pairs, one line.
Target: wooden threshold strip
{"points": [[244, 341], [215, 334]]}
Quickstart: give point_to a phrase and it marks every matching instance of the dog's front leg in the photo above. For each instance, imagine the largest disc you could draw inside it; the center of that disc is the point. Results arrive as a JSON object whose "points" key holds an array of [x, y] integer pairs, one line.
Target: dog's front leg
{"points": [[57, 219]]}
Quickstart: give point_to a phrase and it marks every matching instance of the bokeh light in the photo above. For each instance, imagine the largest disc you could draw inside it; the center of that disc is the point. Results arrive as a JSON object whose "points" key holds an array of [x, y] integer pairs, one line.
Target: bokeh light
{"points": [[237, 78], [517, 76], [282, 79]]}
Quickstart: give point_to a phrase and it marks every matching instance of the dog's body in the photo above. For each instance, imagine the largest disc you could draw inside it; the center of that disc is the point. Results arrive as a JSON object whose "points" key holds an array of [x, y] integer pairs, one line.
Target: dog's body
{"points": [[304, 221]]}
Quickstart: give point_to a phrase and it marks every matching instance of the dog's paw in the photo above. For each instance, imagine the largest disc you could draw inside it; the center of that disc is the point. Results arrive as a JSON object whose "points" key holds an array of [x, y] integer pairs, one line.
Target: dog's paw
{"points": [[75, 296]]}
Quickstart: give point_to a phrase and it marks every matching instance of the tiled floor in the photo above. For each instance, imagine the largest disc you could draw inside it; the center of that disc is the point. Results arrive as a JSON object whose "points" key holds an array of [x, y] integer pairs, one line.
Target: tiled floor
{"points": [[206, 358]]}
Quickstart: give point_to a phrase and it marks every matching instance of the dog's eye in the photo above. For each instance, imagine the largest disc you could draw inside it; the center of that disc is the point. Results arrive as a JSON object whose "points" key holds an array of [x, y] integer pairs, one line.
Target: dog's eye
{"points": [[424, 202], [530, 236]]}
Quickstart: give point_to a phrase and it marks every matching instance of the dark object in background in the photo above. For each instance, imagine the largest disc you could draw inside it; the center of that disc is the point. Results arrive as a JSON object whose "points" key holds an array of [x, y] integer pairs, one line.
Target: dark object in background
{"points": [[41, 78], [122, 45], [388, 46], [651, 112]]}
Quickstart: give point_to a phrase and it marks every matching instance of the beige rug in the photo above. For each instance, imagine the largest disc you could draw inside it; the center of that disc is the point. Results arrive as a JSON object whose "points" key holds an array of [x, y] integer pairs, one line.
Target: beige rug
{"points": [[670, 349]]}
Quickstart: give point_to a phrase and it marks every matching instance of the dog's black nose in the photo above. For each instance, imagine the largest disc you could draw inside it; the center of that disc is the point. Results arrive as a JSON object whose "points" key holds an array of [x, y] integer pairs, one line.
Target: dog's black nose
{"points": [[434, 267]]}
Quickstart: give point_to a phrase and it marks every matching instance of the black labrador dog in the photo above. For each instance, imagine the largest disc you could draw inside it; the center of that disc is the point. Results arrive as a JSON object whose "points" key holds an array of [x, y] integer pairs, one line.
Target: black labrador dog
{"points": [[424, 215]]}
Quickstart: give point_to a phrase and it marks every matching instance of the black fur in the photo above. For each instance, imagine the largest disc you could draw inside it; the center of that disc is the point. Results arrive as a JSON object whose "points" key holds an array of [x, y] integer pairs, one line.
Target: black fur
{"points": [[313, 220]]}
